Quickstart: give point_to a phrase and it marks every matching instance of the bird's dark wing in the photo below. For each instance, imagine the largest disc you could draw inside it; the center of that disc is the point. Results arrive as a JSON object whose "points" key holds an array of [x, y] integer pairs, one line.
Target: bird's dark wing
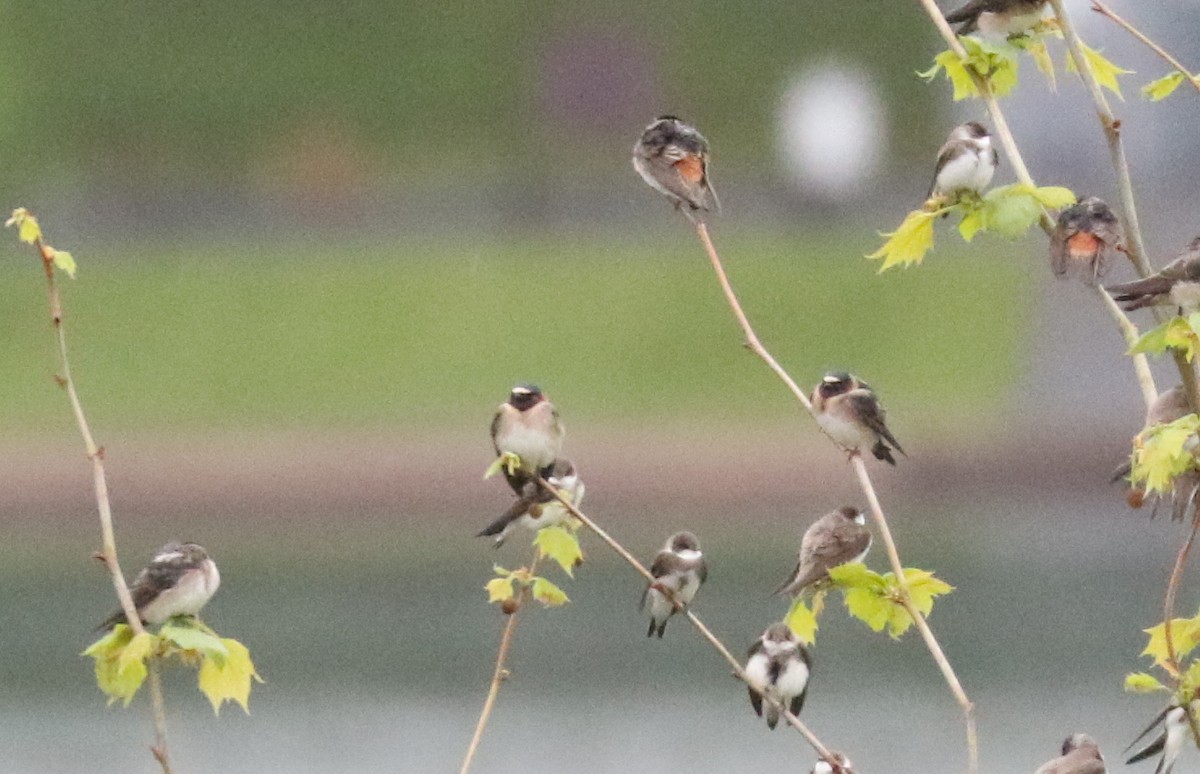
{"points": [[702, 571], [867, 408], [516, 511], [495, 429], [663, 564]]}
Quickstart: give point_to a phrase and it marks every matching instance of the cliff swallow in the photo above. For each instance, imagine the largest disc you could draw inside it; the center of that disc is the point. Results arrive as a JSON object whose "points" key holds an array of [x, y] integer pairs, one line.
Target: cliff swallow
{"points": [[1177, 284], [178, 581], [679, 570], [1169, 742], [537, 507], [1084, 234], [844, 766], [1170, 405], [527, 425], [672, 157], [832, 540], [778, 666], [1080, 755], [966, 162], [997, 18], [848, 411]]}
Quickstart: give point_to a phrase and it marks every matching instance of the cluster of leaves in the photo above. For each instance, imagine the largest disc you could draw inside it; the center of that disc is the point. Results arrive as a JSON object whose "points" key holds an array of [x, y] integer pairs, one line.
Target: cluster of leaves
{"points": [[30, 232], [1007, 210], [1185, 637], [508, 586], [225, 670], [874, 599], [1163, 452], [1180, 333]]}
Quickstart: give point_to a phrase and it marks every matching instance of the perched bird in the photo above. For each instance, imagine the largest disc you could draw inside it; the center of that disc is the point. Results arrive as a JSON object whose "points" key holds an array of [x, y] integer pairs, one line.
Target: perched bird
{"points": [[527, 425], [672, 157], [1170, 405], [536, 507], [1084, 234], [1169, 742], [1177, 284], [997, 18], [848, 411], [778, 666], [844, 766], [1080, 755], [966, 162], [178, 581], [679, 570], [835, 539]]}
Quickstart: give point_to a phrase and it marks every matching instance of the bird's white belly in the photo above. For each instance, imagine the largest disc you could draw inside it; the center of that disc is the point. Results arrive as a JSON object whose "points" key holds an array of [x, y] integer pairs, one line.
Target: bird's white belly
{"points": [[851, 436], [968, 172], [1186, 294], [186, 597], [660, 607], [792, 680], [757, 670], [535, 448]]}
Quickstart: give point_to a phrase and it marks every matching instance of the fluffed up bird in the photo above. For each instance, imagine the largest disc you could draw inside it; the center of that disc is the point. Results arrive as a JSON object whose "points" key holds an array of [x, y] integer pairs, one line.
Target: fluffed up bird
{"points": [[837, 538], [527, 425], [1169, 741], [679, 570], [537, 507], [997, 18], [1084, 234], [1080, 755], [778, 666], [672, 157], [844, 766], [178, 581], [849, 412], [1170, 405], [966, 162], [1177, 284]]}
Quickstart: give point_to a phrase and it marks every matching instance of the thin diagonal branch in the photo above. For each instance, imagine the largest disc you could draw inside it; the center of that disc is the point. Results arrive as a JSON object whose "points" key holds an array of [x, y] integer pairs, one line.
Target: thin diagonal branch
{"points": [[1141, 366], [1104, 10]]}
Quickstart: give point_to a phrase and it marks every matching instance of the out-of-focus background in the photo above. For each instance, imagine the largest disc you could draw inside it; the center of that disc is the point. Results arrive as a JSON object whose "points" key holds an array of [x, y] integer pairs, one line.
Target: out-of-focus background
{"points": [[318, 245]]}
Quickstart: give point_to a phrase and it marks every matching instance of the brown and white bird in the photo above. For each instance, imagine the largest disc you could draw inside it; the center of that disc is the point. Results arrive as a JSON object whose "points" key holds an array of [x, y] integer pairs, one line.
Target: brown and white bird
{"points": [[1080, 755], [1169, 741], [844, 766], [1082, 238], [536, 507], [1177, 284], [527, 425], [1170, 405], [966, 162], [178, 581], [679, 570], [849, 412], [778, 666], [672, 157], [997, 18], [837, 538]]}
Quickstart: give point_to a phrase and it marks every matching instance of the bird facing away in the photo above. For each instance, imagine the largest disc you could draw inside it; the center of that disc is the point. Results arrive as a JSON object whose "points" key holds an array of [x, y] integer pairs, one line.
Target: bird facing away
{"points": [[672, 157], [844, 766], [537, 507], [679, 570], [1169, 406], [778, 666], [178, 581], [1080, 755], [1082, 238], [837, 538], [1169, 741], [997, 18], [966, 162], [527, 425], [1177, 284], [849, 413]]}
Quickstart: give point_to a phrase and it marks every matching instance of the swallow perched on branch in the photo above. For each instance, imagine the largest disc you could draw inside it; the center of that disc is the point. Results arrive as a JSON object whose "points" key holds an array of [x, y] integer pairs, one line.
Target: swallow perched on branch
{"points": [[527, 425], [672, 157], [1169, 406], [1169, 742], [536, 507], [1084, 234], [848, 411], [1177, 284], [837, 538], [178, 581], [1080, 755], [997, 18], [778, 666], [966, 162], [679, 570]]}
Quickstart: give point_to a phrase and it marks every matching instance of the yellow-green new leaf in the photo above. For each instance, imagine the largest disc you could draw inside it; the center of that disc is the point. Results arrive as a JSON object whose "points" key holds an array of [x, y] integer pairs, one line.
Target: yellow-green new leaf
{"points": [[229, 680], [1105, 71], [1011, 210], [1191, 680], [63, 261], [909, 243], [856, 575], [507, 461], [1041, 57], [802, 621], [1163, 87], [923, 586], [1176, 333], [120, 668], [1140, 682], [548, 594], [28, 230], [1162, 452], [1185, 635], [973, 221], [956, 73], [192, 638], [1054, 197], [499, 589], [869, 607], [560, 545]]}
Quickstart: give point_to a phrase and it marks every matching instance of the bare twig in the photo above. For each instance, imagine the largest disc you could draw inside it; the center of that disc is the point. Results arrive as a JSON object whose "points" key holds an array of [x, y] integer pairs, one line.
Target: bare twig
{"points": [[1169, 613], [1141, 366], [705, 632], [159, 707], [1104, 10]]}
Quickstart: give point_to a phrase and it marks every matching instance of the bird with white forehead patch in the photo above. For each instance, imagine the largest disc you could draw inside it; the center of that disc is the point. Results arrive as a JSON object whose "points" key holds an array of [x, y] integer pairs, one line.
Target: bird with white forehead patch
{"points": [[847, 409], [178, 581], [528, 426]]}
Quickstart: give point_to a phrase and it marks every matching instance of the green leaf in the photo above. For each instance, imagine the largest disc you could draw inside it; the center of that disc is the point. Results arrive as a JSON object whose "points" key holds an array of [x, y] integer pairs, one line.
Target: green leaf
{"points": [[802, 621], [1162, 452], [228, 680], [1141, 682], [856, 575], [28, 230], [1185, 635], [1164, 86], [1105, 71], [1041, 57], [506, 461], [923, 586], [1054, 197], [995, 63], [1176, 333], [499, 589], [973, 221], [192, 638], [120, 662], [869, 607], [548, 594], [956, 73], [560, 545], [1011, 210], [63, 260], [1190, 681], [909, 243]]}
